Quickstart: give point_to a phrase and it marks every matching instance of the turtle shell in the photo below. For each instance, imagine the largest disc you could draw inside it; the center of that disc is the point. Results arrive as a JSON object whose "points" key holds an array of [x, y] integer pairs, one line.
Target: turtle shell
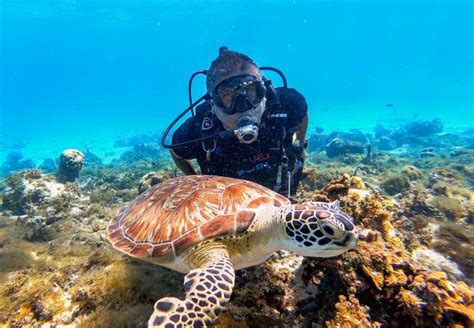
{"points": [[181, 212]]}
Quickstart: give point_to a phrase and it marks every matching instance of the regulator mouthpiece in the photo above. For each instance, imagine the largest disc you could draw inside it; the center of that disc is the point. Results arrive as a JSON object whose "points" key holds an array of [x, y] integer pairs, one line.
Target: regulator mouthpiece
{"points": [[247, 130]]}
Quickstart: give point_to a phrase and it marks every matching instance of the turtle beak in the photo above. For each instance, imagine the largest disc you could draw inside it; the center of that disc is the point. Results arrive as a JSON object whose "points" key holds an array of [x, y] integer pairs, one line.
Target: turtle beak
{"points": [[349, 241]]}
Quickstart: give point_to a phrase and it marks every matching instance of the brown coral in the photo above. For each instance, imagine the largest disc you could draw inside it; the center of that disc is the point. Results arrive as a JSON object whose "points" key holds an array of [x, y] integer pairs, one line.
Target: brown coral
{"points": [[451, 207], [396, 184], [375, 284], [411, 172], [337, 189], [406, 294], [351, 314]]}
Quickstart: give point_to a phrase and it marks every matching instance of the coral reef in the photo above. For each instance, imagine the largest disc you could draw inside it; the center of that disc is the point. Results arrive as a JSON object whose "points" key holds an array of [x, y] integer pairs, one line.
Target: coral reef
{"points": [[349, 313], [150, 179], [396, 184], [339, 146], [30, 192], [377, 284], [15, 162], [451, 207], [413, 266], [411, 172], [385, 143], [70, 165], [424, 128], [318, 140], [434, 261], [428, 152], [352, 135]]}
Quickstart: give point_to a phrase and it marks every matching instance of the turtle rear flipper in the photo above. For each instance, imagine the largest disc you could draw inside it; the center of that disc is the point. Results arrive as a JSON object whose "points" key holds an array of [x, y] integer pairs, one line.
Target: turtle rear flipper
{"points": [[208, 289]]}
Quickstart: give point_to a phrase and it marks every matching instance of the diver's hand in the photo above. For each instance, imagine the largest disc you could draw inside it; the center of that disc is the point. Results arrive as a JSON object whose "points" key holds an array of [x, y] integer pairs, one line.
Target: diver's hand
{"points": [[299, 150], [303, 154]]}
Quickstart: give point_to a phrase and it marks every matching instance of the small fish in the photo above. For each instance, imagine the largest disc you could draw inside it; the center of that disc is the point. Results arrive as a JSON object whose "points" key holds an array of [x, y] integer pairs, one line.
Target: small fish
{"points": [[389, 105], [326, 109], [416, 115]]}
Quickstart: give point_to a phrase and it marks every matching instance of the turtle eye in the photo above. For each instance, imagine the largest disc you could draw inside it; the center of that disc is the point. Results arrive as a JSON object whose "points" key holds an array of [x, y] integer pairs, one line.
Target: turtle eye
{"points": [[331, 229]]}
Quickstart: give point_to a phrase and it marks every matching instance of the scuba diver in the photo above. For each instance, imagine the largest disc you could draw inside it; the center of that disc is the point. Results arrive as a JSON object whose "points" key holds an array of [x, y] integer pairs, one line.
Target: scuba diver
{"points": [[245, 128]]}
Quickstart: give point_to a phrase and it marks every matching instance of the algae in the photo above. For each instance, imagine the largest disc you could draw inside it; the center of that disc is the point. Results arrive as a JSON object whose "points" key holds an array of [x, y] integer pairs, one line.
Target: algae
{"points": [[56, 267]]}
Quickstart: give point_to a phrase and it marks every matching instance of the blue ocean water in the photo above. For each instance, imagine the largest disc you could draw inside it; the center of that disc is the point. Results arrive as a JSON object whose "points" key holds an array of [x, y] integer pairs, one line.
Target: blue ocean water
{"points": [[83, 73]]}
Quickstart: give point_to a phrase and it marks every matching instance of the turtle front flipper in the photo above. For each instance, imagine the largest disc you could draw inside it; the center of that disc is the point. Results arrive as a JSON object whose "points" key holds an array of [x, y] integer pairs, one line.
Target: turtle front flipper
{"points": [[208, 289]]}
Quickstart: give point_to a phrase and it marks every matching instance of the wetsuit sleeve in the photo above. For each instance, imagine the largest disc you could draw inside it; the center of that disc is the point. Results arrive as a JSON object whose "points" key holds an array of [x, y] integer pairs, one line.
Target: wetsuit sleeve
{"points": [[295, 105], [186, 132]]}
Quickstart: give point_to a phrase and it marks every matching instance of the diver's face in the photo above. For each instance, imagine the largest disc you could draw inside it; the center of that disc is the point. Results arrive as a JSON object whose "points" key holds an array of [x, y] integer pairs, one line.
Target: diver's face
{"points": [[239, 94], [231, 121]]}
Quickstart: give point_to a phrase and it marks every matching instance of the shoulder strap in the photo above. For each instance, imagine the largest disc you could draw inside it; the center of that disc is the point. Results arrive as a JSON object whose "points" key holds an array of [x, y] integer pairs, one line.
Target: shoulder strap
{"points": [[273, 100]]}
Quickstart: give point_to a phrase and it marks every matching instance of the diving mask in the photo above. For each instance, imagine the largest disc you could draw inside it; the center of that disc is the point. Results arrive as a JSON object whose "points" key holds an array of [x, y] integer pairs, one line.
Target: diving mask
{"points": [[245, 124], [239, 94]]}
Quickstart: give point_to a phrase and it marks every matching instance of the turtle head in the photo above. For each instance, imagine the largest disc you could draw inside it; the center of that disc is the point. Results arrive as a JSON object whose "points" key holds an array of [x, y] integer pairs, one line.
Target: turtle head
{"points": [[318, 229]]}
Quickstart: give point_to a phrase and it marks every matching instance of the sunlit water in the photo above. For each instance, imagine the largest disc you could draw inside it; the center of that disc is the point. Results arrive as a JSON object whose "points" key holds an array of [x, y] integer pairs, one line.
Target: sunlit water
{"points": [[84, 73]]}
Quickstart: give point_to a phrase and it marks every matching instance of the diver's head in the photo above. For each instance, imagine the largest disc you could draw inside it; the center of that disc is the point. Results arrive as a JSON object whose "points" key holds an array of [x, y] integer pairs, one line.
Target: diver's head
{"points": [[236, 86], [230, 64]]}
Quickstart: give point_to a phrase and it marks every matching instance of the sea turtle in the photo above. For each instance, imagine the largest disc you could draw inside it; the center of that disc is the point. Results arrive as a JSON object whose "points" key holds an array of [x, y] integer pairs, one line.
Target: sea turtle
{"points": [[209, 226]]}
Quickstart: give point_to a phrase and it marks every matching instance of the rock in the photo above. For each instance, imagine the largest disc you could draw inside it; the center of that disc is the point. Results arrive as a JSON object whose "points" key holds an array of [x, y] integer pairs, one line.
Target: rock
{"points": [[429, 259], [428, 152], [31, 191], [350, 313], [424, 128], [70, 165], [339, 146], [411, 172], [396, 184], [460, 151], [449, 138], [353, 135], [15, 162], [386, 143], [149, 180], [399, 137], [451, 207], [317, 142]]}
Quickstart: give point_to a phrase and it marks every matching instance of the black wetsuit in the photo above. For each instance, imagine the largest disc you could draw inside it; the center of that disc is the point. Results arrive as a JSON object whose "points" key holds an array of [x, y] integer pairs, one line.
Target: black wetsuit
{"points": [[260, 161]]}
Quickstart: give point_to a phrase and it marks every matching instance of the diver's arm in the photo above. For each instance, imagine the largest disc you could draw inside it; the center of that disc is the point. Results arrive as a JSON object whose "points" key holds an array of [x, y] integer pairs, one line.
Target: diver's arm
{"points": [[299, 137], [300, 133], [183, 164]]}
